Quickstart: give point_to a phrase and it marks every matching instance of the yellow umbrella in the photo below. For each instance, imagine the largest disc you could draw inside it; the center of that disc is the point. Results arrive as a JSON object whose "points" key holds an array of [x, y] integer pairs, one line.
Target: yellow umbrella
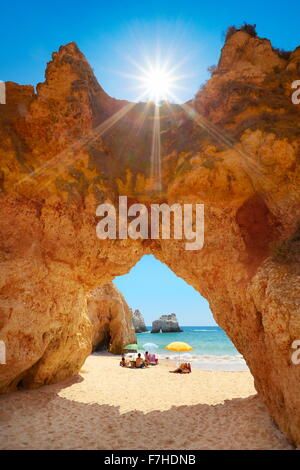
{"points": [[179, 346]]}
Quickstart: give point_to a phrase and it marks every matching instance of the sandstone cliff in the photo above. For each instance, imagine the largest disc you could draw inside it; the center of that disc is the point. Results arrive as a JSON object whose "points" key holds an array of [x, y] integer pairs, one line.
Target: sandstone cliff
{"points": [[235, 148], [138, 322], [111, 319], [53, 348], [166, 324]]}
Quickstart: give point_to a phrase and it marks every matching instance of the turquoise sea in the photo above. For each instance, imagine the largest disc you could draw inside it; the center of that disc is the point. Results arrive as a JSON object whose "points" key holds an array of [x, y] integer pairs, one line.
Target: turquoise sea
{"points": [[212, 349]]}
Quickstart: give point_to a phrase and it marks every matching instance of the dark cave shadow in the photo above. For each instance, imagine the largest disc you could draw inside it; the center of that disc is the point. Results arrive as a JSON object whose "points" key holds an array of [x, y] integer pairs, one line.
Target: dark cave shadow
{"points": [[54, 422]]}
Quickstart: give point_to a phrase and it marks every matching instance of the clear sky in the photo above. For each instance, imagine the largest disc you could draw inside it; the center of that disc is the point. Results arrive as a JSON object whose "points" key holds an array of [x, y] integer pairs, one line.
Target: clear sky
{"points": [[155, 290], [111, 32]]}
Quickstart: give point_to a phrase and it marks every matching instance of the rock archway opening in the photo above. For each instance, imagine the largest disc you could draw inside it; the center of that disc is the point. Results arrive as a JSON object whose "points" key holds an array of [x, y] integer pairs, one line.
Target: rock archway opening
{"points": [[158, 301]]}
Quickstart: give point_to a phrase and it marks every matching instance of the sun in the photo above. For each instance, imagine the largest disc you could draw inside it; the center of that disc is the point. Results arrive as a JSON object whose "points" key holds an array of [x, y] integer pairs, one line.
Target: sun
{"points": [[157, 77], [157, 83]]}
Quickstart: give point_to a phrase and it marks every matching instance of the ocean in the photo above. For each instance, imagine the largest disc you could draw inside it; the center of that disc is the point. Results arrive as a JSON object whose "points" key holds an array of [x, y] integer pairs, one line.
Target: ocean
{"points": [[212, 349]]}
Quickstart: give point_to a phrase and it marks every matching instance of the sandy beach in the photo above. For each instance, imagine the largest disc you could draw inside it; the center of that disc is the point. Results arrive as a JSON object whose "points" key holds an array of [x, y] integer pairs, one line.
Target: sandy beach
{"points": [[106, 407]]}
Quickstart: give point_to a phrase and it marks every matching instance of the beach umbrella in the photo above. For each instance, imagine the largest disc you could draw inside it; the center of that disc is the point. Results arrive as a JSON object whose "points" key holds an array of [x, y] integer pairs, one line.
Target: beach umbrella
{"points": [[150, 346], [179, 346]]}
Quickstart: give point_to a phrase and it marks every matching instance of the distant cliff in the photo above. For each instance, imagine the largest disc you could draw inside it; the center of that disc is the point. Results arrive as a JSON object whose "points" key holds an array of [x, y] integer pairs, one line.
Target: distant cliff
{"points": [[166, 324], [138, 322]]}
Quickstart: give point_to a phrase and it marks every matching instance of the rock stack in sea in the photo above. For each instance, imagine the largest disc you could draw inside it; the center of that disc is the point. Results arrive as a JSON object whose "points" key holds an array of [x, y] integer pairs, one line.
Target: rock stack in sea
{"points": [[138, 322], [166, 324]]}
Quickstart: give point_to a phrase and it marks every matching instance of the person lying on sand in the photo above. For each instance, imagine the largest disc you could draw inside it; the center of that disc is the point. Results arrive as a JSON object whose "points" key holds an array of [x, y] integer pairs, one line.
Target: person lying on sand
{"points": [[184, 368], [139, 363]]}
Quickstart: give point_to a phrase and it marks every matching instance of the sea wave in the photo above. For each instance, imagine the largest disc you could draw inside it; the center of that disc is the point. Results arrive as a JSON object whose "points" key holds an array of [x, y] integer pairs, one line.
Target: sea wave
{"points": [[209, 362], [202, 330]]}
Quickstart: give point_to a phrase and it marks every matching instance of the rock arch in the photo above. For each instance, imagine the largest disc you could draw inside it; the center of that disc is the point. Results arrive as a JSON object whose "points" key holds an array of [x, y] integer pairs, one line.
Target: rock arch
{"points": [[57, 165]]}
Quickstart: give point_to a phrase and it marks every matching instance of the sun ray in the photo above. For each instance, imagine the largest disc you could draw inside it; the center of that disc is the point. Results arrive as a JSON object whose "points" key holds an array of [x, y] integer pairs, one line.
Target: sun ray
{"points": [[69, 154], [136, 127], [156, 152], [142, 118], [249, 164]]}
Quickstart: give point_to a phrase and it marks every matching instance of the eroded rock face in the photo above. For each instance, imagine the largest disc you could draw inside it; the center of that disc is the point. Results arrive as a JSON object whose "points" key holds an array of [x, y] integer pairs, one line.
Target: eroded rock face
{"points": [[111, 319], [235, 148], [138, 322], [166, 324], [249, 55]]}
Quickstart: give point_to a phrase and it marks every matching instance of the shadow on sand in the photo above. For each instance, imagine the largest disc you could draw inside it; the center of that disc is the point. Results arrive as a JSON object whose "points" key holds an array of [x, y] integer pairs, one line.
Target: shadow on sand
{"points": [[41, 419]]}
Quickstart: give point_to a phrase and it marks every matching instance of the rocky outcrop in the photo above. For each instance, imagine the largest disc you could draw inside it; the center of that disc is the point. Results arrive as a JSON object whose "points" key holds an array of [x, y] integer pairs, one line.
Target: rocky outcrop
{"points": [[138, 322], [166, 324], [234, 148], [249, 55], [53, 348], [42, 344], [111, 319]]}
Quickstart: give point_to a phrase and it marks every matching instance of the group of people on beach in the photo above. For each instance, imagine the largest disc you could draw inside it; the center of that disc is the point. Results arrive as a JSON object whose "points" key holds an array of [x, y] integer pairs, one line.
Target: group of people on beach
{"points": [[139, 362]]}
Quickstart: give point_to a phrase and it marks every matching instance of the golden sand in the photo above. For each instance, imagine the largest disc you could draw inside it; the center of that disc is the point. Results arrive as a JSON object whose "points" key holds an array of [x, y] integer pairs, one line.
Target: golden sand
{"points": [[109, 407]]}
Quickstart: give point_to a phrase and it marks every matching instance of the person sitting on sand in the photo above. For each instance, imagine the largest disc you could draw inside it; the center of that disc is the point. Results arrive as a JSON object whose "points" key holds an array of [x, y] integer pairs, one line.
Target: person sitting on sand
{"points": [[139, 363], [184, 368], [152, 359], [147, 358], [123, 362]]}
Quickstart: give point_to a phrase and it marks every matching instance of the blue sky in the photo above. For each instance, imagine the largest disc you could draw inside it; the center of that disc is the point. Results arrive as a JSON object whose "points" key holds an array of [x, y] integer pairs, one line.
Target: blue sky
{"points": [[111, 32], [155, 290]]}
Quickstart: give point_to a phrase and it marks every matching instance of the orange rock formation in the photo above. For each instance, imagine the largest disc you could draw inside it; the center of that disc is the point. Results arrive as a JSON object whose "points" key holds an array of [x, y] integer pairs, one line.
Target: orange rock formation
{"points": [[235, 148], [111, 319]]}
